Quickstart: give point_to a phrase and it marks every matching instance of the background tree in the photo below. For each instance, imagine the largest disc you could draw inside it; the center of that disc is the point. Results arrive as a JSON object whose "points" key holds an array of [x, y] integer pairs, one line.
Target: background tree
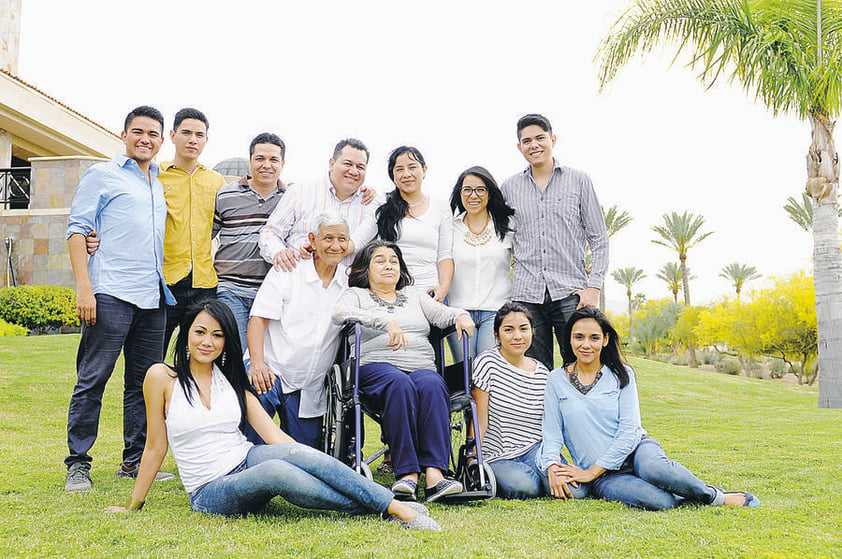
{"points": [[671, 274], [615, 220], [681, 232], [801, 213], [627, 277], [738, 275], [787, 53]]}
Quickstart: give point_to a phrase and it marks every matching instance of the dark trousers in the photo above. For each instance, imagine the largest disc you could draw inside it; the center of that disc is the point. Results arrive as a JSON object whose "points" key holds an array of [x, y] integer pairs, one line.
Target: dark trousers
{"points": [[415, 415], [546, 317], [139, 333], [305, 430], [185, 297]]}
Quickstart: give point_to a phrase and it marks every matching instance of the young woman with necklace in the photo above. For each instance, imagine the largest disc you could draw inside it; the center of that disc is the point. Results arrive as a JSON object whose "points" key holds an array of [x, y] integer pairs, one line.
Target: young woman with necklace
{"points": [[482, 254], [591, 407]]}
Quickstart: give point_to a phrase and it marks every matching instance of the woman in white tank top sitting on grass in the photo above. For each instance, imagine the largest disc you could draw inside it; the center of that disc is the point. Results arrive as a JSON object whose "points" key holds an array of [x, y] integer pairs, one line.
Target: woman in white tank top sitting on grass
{"points": [[199, 408]]}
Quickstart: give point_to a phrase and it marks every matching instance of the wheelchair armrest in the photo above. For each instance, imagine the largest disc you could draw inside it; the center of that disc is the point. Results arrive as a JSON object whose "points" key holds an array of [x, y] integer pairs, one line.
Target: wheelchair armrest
{"points": [[348, 327]]}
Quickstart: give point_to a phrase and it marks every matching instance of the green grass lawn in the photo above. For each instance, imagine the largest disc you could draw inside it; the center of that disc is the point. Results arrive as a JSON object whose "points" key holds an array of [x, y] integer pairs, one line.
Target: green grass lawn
{"points": [[765, 437]]}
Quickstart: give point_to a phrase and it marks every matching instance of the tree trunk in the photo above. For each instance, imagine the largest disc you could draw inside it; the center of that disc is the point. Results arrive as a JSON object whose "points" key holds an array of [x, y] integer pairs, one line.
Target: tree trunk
{"points": [[691, 347], [631, 319], [822, 186]]}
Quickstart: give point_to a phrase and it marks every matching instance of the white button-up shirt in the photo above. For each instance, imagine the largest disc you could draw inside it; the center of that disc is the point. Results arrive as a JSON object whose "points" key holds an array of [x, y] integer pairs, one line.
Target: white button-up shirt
{"points": [[482, 278], [301, 340]]}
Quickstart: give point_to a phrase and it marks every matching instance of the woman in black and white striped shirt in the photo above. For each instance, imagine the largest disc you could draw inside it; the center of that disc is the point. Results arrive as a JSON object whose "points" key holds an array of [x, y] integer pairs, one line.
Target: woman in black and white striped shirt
{"points": [[508, 388]]}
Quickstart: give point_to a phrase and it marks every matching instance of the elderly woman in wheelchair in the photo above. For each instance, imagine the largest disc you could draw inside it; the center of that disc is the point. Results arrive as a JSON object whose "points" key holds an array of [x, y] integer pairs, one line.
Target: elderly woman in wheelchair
{"points": [[397, 367]]}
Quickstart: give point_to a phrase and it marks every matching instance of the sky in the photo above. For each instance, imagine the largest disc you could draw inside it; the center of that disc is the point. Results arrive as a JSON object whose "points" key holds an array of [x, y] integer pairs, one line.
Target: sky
{"points": [[451, 78]]}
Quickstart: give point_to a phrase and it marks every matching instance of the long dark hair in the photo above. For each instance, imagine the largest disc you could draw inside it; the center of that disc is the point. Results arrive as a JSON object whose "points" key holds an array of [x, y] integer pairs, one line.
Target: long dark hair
{"points": [[230, 361], [497, 208], [611, 355], [358, 275], [390, 214]]}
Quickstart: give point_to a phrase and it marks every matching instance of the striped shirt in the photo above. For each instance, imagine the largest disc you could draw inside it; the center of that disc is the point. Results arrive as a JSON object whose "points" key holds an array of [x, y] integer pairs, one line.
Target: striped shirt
{"points": [[551, 231], [292, 219], [515, 405], [239, 215]]}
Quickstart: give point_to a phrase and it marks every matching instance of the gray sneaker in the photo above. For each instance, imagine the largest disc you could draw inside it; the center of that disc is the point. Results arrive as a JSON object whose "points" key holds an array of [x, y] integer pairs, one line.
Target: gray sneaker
{"points": [[78, 478], [420, 522], [131, 472]]}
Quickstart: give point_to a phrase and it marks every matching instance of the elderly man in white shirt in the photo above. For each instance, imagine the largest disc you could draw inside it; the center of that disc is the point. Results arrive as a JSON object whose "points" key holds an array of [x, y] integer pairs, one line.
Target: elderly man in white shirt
{"points": [[292, 340]]}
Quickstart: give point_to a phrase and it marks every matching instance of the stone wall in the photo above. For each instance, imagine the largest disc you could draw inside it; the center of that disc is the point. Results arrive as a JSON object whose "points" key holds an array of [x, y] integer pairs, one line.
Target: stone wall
{"points": [[39, 250]]}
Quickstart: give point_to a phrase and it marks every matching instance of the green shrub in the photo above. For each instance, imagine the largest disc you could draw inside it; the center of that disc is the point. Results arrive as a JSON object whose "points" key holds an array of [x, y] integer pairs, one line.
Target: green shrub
{"points": [[728, 365], [778, 368], [8, 330], [39, 307], [679, 359]]}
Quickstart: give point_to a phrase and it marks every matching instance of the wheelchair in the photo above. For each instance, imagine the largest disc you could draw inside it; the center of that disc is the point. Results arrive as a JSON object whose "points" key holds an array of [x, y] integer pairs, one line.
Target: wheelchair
{"points": [[346, 405]]}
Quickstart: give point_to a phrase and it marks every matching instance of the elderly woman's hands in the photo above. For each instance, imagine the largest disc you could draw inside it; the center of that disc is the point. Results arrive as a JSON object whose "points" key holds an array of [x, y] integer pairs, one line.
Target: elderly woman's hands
{"points": [[397, 339], [464, 322]]}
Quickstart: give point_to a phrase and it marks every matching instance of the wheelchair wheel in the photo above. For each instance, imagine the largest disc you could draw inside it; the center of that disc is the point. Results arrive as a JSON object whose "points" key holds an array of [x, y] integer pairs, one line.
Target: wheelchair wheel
{"points": [[490, 480], [365, 471]]}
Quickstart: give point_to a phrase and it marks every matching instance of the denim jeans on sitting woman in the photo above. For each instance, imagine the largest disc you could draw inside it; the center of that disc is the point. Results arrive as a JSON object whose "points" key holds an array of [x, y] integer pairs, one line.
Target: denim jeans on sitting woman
{"points": [[301, 475], [522, 478], [649, 480], [482, 339]]}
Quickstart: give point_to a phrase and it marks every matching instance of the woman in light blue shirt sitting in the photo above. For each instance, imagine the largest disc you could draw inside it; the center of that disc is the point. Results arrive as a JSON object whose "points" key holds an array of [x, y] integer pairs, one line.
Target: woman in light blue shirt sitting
{"points": [[591, 406]]}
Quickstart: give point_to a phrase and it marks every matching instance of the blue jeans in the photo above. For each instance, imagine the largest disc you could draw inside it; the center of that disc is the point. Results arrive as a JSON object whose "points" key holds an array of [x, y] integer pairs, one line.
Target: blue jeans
{"points": [[482, 339], [241, 307], [139, 333], [305, 430], [303, 476], [546, 317], [522, 478], [649, 480]]}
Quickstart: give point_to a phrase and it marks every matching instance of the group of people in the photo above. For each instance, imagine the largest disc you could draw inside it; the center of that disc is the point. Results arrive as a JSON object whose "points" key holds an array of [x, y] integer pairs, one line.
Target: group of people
{"points": [[259, 325]]}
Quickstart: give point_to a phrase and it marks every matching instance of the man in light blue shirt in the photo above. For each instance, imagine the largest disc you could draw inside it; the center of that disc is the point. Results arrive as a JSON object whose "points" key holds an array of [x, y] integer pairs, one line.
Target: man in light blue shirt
{"points": [[120, 291]]}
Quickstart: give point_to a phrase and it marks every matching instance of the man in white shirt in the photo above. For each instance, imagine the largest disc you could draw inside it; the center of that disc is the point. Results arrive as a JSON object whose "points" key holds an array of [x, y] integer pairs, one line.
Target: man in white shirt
{"points": [[285, 233], [292, 339]]}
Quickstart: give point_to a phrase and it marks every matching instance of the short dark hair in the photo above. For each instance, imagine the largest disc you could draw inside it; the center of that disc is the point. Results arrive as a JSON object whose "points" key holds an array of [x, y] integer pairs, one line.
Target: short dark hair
{"points": [[189, 112], [507, 309], [144, 110], [350, 142], [268, 138], [536, 120], [497, 208], [610, 356], [358, 275]]}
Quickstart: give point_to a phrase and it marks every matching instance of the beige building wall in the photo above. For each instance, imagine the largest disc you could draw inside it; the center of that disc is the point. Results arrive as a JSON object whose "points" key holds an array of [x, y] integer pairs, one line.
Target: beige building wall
{"points": [[39, 251]]}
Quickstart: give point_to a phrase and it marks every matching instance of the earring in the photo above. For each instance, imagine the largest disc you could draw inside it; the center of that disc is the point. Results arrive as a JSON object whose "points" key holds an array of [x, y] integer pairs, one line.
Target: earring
{"points": [[223, 358], [187, 353]]}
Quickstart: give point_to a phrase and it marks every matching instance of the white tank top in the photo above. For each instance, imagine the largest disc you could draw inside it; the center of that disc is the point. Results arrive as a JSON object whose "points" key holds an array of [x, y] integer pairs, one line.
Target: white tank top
{"points": [[206, 443]]}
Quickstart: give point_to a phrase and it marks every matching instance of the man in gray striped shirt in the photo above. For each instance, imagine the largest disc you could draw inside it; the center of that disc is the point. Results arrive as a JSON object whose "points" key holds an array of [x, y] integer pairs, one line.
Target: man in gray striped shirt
{"points": [[242, 208], [557, 215]]}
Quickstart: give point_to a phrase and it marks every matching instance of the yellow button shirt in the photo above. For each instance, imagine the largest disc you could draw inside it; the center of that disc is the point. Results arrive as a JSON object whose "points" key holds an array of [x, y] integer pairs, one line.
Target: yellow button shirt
{"points": [[187, 239]]}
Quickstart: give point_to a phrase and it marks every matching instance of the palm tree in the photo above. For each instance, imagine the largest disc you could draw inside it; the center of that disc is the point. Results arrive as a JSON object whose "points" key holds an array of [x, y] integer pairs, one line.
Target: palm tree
{"points": [[681, 232], [615, 220], [802, 212], [671, 274], [739, 274], [627, 277], [787, 53]]}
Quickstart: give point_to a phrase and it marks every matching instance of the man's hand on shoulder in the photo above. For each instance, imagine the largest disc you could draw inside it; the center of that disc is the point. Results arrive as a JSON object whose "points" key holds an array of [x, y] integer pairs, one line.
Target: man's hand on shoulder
{"points": [[588, 297], [369, 194], [286, 259]]}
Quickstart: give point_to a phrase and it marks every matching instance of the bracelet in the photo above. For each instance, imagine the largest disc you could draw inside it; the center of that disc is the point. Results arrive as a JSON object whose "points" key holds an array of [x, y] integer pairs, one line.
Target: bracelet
{"points": [[134, 504]]}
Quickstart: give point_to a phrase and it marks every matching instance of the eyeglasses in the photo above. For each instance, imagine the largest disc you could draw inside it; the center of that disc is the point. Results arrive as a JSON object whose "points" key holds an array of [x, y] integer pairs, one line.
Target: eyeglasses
{"points": [[480, 191]]}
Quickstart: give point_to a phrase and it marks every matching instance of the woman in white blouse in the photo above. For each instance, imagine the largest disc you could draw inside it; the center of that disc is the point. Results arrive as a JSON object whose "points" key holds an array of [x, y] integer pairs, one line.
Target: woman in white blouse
{"points": [[421, 228], [482, 253]]}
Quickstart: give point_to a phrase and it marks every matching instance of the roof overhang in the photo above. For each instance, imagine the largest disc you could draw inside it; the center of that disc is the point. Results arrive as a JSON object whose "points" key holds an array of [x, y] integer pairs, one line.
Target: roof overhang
{"points": [[44, 127]]}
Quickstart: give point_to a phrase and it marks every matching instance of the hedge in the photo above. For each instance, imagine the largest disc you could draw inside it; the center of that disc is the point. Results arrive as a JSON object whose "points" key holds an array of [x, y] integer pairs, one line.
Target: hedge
{"points": [[39, 307]]}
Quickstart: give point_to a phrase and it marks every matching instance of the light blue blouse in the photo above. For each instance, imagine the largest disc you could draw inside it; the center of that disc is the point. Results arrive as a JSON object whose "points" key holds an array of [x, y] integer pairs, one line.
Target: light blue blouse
{"points": [[601, 427]]}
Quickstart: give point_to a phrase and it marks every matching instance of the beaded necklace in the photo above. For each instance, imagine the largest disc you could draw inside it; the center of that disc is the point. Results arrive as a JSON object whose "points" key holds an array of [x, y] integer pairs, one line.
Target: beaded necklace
{"points": [[577, 384], [400, 301]]}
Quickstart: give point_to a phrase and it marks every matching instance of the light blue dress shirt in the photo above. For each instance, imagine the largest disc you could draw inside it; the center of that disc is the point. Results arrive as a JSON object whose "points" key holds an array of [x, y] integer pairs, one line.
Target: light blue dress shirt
{"points": [[601, 427], [128, 213]]}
